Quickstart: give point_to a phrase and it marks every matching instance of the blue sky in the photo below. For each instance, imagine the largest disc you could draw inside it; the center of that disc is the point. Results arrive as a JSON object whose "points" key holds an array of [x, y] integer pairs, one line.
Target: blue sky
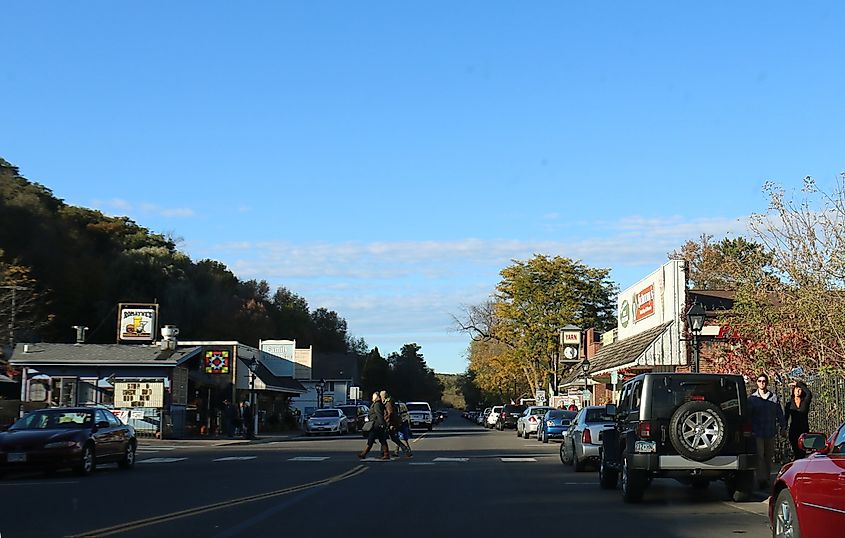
{"points": [[387, 159]]}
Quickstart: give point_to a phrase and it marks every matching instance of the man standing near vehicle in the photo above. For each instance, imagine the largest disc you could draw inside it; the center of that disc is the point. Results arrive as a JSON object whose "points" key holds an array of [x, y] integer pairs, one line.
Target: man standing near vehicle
{"points": [[767, 420]]}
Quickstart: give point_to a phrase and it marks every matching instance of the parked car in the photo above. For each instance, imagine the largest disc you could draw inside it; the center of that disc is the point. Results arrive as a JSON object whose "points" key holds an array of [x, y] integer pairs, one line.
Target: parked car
{"points": [[493, 416], [332, 420], [583, 438], [692, 427], [553, 424], [356, 415], [421, 416], [807, 495], [530, 419], [508, 416], [78, 438]]}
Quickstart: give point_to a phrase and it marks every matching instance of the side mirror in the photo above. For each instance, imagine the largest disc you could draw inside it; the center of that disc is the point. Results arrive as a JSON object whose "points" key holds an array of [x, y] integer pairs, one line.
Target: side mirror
{"points": [[813, 442], [610, 410], [102, 424]]}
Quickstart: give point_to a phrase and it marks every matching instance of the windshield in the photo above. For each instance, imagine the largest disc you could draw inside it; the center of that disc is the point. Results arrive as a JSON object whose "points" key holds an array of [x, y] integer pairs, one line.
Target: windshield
{"points": [[597, 415], [562, 414], [418, 407], [47, 420], [350, 412], [540, 410], [326, 413]]}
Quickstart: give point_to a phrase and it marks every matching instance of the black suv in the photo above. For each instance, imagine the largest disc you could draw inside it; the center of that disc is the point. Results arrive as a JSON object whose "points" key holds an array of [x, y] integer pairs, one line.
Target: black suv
{"points": [[509, 415], [694, 428]]}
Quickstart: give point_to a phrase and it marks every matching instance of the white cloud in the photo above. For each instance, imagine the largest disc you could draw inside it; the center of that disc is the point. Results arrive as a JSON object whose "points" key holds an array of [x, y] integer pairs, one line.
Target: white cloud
{"points": [[125, 207], [408, 290]]}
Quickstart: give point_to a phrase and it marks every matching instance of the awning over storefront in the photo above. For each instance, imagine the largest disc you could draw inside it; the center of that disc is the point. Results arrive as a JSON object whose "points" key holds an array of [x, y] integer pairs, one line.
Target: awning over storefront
{"points": [[266, 380], [654, 347]]}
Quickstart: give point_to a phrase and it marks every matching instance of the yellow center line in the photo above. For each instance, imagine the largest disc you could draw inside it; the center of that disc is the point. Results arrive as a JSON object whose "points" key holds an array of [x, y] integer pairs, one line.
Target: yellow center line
{"points": [[165, 518]]}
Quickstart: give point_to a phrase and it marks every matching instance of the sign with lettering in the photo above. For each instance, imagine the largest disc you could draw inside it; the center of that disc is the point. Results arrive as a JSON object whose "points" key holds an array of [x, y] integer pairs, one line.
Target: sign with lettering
{"points": [[138, 394], [136, 322]]}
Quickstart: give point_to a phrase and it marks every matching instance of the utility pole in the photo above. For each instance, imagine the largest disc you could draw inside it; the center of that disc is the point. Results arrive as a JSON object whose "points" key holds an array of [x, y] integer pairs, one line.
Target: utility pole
{"points": [[12, 316]]}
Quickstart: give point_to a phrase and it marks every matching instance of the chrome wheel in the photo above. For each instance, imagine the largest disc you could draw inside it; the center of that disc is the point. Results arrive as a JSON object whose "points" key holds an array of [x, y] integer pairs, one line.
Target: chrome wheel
{"points": [[701, 430], [786, 520]]}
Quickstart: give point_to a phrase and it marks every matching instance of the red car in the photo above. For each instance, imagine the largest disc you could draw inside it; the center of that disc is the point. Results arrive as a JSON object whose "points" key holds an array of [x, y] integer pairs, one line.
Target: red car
{"points": [[808, 497]]}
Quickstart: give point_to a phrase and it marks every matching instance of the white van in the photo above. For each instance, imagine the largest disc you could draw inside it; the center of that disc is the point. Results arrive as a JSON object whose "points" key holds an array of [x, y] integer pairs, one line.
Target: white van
{"points": [[494, 416]]}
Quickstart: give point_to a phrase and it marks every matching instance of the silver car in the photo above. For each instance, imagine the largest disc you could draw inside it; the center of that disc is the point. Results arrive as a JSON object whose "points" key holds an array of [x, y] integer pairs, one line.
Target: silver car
{"points": [[327, 421], [581, 442], [530, 419]]}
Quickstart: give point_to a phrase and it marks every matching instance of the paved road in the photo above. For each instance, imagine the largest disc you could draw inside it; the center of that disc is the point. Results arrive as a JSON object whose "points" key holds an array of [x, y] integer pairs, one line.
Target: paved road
{"points": [[462, 481]]}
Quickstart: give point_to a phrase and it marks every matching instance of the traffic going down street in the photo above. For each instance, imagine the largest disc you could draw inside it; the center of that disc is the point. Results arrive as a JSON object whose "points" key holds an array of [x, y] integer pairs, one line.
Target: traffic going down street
{"points": [[463, 480]]}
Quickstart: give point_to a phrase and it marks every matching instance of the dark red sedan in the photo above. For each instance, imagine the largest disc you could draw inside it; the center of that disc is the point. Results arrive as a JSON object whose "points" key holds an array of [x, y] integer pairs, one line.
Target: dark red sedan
{"points": [[808, 497], [68, 437]]}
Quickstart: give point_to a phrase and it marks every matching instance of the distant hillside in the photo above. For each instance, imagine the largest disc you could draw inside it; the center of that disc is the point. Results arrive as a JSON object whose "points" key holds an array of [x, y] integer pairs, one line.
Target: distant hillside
{"points": [[72, 266], [452, 396]]}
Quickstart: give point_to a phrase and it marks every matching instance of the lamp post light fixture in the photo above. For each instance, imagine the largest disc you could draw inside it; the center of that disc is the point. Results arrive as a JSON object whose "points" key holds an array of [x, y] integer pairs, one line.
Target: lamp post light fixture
{"points": [[695, 321], [320, 386], [586, 367], [252, 365]]}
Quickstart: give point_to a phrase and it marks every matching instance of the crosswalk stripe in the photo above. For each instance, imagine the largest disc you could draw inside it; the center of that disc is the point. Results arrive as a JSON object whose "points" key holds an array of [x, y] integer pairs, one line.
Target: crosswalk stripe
{"points": [[512, 460], [422, 463], [451, 459], [236, 458], [161, 460], [309, 458]]}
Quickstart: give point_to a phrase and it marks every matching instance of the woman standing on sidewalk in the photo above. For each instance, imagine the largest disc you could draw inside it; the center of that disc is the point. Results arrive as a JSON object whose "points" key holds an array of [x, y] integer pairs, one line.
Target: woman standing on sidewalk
{"points": [[378, 429], [797, 412]]}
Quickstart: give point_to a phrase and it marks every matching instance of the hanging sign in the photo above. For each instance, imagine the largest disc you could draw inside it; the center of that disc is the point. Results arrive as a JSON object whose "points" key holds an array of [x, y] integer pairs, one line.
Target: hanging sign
{"points": [[136, 322]]}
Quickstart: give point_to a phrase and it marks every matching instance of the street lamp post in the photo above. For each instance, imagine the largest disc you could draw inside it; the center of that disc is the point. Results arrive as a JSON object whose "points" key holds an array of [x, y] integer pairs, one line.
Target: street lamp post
{"points": [[586, 367], [695, 319], [320, 385], [252, 364]]}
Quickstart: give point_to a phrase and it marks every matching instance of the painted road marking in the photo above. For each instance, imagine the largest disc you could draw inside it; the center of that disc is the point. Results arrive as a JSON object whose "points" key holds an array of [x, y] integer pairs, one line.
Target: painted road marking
{"points": [[421, 463], [451, 459], [236, 458], [224, 505], [309, 458], [514, 460], [161, 460]]}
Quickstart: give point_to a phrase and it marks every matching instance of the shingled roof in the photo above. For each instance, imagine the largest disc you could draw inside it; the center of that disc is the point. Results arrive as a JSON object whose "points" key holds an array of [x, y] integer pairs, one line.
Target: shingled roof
{"points": [[98, 355], [624, 352], [619, 354]]}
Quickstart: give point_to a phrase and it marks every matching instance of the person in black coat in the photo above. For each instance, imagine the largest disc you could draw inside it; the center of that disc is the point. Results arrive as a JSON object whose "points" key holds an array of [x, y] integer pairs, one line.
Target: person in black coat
{"points": [[797, 413], [378, 430]]}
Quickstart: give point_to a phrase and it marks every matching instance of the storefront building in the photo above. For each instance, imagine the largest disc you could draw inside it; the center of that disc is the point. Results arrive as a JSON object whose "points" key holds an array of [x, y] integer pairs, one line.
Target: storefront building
{"points": [[135, 381]]}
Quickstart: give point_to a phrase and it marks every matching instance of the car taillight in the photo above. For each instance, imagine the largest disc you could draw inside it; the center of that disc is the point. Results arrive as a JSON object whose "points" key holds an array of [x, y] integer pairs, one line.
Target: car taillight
{"points": [[747, 429], [697, 398], [644, 429], [587, 437], [532, 419]]}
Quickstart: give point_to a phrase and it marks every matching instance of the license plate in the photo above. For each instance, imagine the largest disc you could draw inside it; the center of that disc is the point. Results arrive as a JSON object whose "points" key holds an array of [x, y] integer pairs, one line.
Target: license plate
{"points": [[16, 457], [647, 447]]}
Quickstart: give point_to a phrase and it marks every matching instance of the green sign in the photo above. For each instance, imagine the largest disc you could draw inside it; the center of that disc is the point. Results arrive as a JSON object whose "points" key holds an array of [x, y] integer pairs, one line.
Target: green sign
{"points": [[624, 313]]}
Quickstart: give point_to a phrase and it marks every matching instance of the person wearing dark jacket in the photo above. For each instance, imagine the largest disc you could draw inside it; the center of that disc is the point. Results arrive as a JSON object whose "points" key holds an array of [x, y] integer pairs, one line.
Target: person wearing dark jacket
{"points": [[797, 412], [767, 421], [394, 423], [378, 430]]}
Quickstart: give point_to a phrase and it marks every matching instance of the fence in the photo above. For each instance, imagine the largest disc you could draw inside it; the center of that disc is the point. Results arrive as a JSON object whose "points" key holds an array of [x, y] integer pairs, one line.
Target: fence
{"points": [[827, 409]]}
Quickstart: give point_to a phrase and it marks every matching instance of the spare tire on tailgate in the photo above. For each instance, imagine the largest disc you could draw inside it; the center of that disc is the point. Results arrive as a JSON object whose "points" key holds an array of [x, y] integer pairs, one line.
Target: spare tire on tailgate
{"points": [[698, 430]]}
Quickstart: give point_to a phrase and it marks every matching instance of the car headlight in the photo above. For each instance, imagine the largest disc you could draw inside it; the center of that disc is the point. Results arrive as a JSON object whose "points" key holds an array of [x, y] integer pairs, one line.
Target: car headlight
{"points": [[550, 423], [62, 444]]}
